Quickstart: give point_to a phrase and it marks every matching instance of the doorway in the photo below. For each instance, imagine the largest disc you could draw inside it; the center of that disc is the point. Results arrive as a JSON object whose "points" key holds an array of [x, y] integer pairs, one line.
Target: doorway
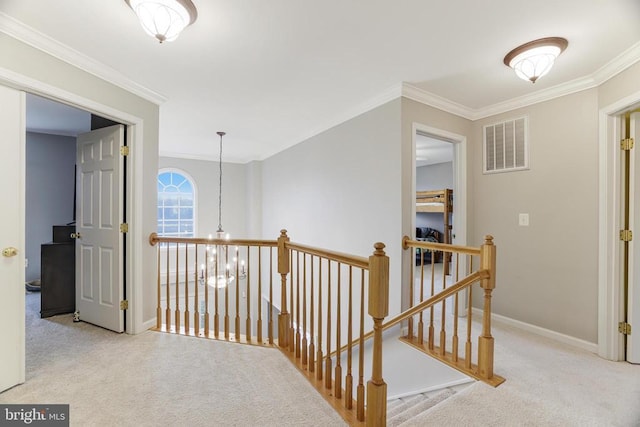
{"points": [[440, 163], [55, 191], [619, 203]]}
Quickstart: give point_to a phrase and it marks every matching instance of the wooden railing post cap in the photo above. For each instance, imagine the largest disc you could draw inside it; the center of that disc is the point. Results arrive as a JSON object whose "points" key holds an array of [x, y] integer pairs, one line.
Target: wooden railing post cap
{"points": [[379, 249], [488, 239], [283, 233], [153, 238]]}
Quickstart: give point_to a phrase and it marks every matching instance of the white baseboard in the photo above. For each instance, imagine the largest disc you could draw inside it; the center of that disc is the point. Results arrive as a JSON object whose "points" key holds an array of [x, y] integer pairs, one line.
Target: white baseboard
{"points": [[548, 333], [151, 323]]}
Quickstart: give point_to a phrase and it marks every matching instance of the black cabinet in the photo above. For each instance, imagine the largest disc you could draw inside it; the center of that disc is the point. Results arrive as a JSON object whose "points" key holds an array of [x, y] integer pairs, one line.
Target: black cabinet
{"points": [[58, 274]]}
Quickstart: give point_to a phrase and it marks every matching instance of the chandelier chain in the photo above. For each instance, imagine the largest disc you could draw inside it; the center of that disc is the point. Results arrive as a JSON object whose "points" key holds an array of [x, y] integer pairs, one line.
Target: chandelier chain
{"points": [[220, 230]]}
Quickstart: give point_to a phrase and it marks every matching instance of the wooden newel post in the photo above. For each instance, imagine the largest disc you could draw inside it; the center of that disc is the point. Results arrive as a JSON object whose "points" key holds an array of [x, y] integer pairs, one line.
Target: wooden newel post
{"points": [[485, 341], [378, 310], [283, 268]]}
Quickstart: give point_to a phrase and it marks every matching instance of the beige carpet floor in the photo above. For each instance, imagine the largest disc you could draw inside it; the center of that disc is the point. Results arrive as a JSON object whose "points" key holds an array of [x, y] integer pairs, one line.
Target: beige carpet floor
{"points": [[548, 384], [157, 379]]}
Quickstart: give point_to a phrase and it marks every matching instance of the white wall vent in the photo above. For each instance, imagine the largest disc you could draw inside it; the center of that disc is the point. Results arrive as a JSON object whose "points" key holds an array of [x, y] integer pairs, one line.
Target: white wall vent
{"points": [[505, 146]]}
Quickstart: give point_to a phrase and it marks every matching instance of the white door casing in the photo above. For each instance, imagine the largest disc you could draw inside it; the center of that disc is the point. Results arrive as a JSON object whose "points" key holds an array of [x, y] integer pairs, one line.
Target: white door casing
{"points": [[633, 314], [12, 229], [99, 264]]}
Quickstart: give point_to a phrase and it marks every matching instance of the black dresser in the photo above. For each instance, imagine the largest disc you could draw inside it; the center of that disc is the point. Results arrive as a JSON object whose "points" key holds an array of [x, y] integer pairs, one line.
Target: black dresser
{"points": [[58, 273]]}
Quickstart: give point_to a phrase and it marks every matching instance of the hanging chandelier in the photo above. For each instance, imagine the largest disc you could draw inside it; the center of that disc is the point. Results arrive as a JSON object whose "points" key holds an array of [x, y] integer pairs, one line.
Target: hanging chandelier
{"points": [[534, 59], [218, 272], [164, 19]]}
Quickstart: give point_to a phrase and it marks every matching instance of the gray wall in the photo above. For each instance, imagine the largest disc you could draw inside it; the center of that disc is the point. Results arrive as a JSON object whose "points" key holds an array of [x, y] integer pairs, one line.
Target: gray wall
{"points": [[50, 161], [433, 177], [547, 272], [341, 189]]}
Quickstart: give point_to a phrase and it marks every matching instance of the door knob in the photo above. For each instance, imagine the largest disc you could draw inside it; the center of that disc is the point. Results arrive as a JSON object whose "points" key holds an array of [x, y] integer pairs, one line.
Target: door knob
{"points": [[9, 252], [76, 236]]}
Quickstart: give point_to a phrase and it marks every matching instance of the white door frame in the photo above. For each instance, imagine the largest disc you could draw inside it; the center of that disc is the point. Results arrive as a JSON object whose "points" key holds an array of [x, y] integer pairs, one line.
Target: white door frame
{"points": [[459, 177], [610, 298], [135, 126]]}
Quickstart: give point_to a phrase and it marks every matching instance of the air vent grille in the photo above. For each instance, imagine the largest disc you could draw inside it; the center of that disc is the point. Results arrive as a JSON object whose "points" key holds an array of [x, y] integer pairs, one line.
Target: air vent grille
{"points": [[505, 146]]}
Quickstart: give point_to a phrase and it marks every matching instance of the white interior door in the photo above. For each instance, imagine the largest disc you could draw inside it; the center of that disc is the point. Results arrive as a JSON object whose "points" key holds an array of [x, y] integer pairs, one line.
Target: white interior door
{"points": [[99, 278], [633, 314], [12, 170]]}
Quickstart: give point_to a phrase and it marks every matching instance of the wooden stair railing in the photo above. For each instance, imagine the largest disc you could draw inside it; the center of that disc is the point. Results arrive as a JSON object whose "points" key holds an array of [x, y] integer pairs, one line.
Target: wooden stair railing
{"points": [[445, 347], [322, 297]]}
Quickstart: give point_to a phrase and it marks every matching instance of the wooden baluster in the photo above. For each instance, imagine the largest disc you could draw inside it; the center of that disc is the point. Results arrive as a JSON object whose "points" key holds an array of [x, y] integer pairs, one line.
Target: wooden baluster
{"points": [[312, 347], [283, 270], [177, 310], [291, 339], [443, 318], [206, 300], [159, 295], [420, 321], [270, 320], [431, 339], [227, 332], [360, 390], [186, 289], [297, 347], [304, 311], [485, 341], [237, 331], [168, 281], [248, 273], [259, 296], [468, 347], [378, 310], [338, 371], [412, 290], [196, 303], [216, 298], [454, 343], [319, 355], [328, 364], [348, 398]]}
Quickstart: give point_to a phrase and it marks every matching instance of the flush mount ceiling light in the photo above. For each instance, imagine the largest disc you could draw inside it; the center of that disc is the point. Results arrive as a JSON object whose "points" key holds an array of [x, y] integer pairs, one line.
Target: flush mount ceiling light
{"points": [[534, 59], [164, 19]]}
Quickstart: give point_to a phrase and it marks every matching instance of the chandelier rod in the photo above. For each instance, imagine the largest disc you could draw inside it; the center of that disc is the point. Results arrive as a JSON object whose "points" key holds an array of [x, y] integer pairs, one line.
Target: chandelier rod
{"points": [[220, 230]]}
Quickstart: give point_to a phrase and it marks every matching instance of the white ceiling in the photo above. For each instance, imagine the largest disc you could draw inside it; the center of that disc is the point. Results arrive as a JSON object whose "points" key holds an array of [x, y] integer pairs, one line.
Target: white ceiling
{"points": [[272, 73]]}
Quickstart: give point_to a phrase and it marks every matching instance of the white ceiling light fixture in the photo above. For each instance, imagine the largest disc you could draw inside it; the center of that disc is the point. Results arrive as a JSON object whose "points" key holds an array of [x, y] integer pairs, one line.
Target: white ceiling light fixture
{"points": [[164, 19], [534, 59]]}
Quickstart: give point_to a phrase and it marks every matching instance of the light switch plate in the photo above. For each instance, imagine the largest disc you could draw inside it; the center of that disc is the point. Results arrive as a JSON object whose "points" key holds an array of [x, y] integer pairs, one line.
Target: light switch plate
{"points": [[523, 219]]}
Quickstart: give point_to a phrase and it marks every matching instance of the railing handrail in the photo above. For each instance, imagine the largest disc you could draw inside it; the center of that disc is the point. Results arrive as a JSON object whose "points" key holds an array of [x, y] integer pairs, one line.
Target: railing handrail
{"points": [[426, 304], [353, 260], [154, 239], [407, 243]]}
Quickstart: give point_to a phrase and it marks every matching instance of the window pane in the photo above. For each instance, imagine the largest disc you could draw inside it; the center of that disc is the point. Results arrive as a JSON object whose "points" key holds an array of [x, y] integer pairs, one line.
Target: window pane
{"points": [[176, 201]]}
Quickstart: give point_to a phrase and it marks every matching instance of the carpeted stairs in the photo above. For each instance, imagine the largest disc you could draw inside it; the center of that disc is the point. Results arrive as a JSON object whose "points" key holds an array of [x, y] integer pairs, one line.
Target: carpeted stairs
{"points": [[410, 411]]}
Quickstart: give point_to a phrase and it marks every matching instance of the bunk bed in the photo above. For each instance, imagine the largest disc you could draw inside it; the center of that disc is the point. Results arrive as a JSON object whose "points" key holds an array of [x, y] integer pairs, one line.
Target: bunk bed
{"points": [[438, 201]]}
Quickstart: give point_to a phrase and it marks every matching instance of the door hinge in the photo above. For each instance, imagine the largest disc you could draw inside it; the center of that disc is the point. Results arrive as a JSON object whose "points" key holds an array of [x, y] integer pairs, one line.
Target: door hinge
{"points": [[624, 328], [626, 144], [124, 150], [124, 228], [626, 235], [124, 305]]}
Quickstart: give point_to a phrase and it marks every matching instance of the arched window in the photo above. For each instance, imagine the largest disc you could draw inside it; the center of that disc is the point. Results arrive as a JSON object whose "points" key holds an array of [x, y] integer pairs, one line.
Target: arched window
{"points": [[176, 204]]}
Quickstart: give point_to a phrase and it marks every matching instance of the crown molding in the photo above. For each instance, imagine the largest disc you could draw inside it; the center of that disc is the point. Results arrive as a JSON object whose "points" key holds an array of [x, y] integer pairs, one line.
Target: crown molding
{"points": [[431, 99], [201, 157], [30, 36], [604, 73]]}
